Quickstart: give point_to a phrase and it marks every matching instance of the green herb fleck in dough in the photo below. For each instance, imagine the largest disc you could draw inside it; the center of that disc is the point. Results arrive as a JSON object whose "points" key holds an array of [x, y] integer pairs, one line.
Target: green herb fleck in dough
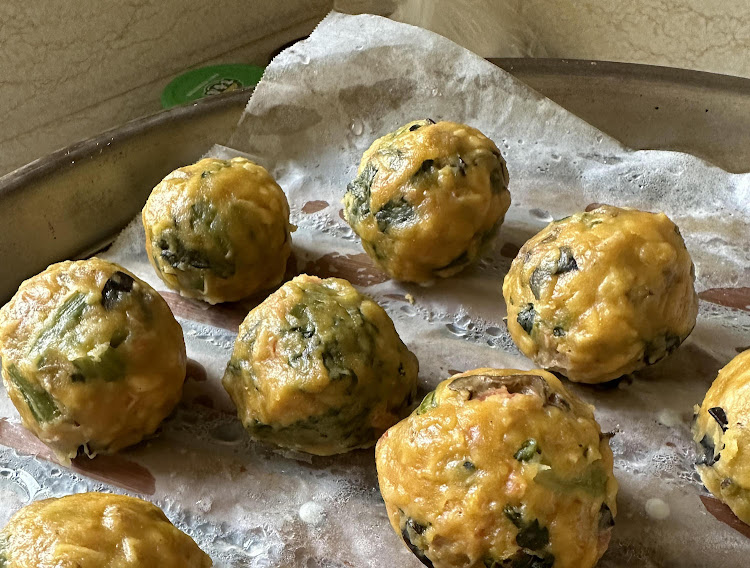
{"points": [[531, 534], [528, 450]]}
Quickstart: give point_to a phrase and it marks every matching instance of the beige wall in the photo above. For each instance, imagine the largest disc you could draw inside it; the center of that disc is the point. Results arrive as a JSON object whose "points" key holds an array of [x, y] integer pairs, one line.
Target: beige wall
{"points": [[73, 68], [693, 34]]}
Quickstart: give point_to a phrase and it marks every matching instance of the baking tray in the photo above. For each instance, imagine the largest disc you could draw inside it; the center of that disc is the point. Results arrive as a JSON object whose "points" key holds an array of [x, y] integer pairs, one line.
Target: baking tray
{"points": [[74, 201]]}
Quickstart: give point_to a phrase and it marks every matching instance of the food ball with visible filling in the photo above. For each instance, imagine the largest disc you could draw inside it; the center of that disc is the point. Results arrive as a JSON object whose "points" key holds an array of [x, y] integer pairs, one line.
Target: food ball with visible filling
{"points": [[601, 294], [318, 367], [497, 468], [218, 230], [427, 199], [96, 530], [721, 434], [92, 357]]}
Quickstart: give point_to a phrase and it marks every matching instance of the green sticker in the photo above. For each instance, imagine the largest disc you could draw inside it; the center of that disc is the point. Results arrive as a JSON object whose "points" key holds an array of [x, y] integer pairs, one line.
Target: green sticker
{"points": [[211, 80]]}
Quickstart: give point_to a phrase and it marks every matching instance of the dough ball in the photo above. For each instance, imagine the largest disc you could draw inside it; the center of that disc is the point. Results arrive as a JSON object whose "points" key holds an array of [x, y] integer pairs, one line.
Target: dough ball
{"points": [[722, 437], [601, 294], [218, 230], [91, 357], [96, 530], [318, 367], [497, 468], [427, 198]]}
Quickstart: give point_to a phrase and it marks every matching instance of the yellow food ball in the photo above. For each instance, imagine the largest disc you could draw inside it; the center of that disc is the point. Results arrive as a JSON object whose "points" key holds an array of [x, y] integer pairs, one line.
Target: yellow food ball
{"points": [[318, 367], [601, 294], [723, 441], [218, 230], [92, 357], [499, 467], [96, 530], [427, 199]]}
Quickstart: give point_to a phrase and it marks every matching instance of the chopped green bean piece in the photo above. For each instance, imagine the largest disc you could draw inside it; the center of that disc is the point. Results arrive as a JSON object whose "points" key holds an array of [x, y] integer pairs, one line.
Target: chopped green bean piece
{"points": [[110, 367], [66, 318], [39, 401], [428, 403], [592, 481]]}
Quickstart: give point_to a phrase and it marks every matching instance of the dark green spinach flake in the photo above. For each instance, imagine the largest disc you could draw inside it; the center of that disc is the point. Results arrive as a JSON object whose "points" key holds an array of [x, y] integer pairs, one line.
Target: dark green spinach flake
{"points": [[523, 559], [117, 286], [360, 188], [395, 212], [661, 347], [541, 274], [204, 220], [412, 532], [526, 318], [531, 535], [707, 449], [718, 414]]}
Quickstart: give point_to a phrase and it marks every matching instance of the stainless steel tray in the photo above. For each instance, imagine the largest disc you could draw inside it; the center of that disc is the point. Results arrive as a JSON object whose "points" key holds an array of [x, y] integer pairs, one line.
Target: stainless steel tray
{"points": [[75, 200]]}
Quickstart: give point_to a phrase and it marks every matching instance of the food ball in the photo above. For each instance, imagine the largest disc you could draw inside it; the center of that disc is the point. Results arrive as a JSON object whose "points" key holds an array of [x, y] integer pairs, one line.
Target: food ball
{"points": [[723, 440], [92, 357], [497, 468], [318, 367], [427, 199], [601, 294], [96, 530], [218, 230]]}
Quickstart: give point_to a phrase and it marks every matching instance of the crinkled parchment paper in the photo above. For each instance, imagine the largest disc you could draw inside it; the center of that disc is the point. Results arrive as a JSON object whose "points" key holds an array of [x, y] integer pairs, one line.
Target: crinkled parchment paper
{"points": [[319, 106]]}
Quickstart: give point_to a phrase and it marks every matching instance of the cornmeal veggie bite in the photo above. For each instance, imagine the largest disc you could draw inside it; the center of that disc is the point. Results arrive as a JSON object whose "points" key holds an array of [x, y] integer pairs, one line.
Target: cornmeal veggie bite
{"points": [[601, 294], [722, 438], [96, 530], [92, 357], [500, 468], [427, 199], [318, 367], [218, 230]]}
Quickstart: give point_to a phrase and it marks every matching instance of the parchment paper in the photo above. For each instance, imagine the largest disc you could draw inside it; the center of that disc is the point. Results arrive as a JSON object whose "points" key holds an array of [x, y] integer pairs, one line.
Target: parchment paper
{"points": [[319, 106]]}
